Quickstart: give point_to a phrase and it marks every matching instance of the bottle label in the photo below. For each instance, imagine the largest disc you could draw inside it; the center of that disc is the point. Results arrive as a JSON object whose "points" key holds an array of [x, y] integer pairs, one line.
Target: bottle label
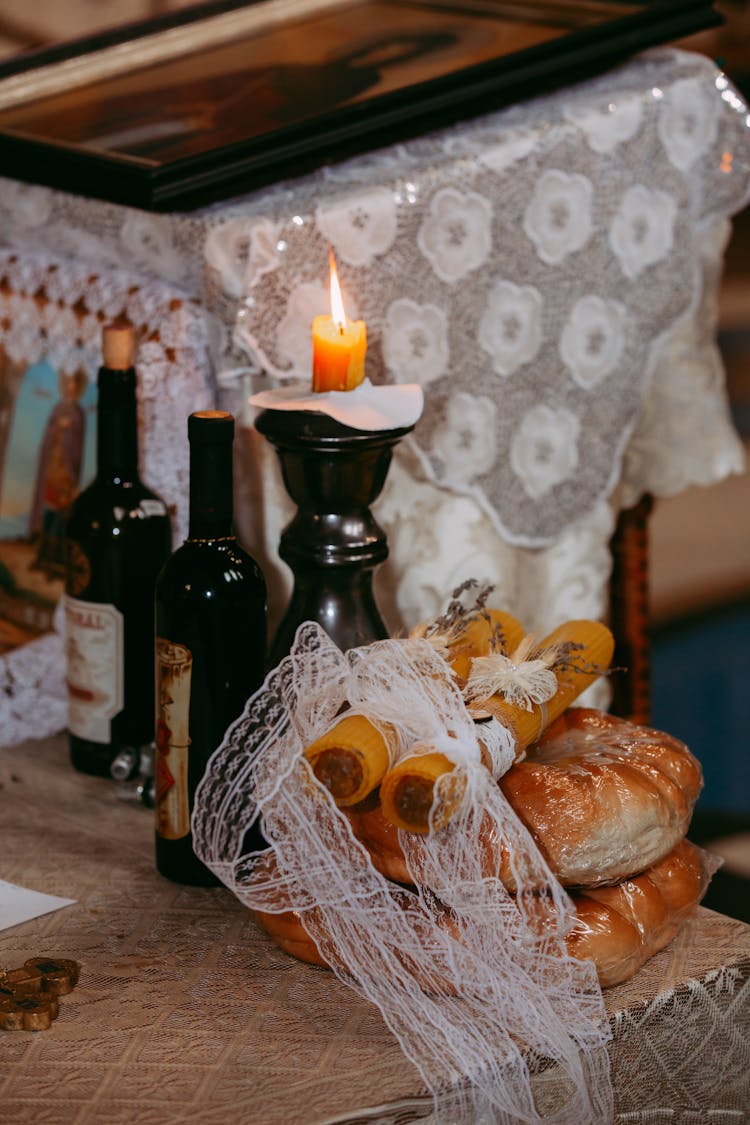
{"points": [[78, 568], [174, 663], [94, 651]]}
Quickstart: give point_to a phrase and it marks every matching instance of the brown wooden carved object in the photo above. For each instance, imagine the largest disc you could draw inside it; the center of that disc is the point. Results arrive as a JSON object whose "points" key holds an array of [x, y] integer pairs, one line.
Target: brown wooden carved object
{"points": [[29, 994], [629, 614]]}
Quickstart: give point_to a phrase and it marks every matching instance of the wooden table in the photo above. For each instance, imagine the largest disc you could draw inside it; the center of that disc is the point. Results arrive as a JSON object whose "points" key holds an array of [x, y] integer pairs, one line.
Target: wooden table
{"points": [[185, 1011]]}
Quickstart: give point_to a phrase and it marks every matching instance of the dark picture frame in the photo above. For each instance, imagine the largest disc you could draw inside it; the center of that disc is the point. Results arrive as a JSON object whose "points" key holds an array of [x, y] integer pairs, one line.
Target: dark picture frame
{"points": [[223, 119]]}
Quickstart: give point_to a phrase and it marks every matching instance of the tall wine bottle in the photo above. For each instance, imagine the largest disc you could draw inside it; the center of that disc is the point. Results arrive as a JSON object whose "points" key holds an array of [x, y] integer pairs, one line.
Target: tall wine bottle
{"points": [[211, 637], [117, 538]]}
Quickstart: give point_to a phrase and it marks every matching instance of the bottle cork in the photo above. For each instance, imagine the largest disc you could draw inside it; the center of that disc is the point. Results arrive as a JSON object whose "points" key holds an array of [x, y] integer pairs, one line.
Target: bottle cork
{"points": [[118, 345]]}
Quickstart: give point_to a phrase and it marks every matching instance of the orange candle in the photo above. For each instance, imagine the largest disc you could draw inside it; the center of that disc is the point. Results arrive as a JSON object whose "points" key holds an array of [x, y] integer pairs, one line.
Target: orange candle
{"points": [[339, 346]]}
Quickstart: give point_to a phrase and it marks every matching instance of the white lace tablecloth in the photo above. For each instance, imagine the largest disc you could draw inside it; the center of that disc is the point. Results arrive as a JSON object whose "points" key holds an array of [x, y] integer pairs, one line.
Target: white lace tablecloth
{"points": [[185, 1011], [548, 273]]}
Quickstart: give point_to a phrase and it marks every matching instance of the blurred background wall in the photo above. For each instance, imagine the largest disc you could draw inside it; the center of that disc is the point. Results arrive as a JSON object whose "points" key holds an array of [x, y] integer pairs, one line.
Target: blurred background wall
{"points": [[701, 542]]}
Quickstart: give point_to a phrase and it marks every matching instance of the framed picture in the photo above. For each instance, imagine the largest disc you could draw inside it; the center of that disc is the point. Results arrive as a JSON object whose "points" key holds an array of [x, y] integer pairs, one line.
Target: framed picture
{"points": [[222, 99]]}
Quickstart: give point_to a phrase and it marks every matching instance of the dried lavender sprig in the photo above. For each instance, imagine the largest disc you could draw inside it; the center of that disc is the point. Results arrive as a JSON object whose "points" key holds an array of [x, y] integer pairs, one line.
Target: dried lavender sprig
{"points": [[456, 616]]}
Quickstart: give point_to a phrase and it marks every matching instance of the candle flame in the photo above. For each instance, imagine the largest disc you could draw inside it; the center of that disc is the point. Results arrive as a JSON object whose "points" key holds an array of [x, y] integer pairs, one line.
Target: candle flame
{"points": [[337, 301]]}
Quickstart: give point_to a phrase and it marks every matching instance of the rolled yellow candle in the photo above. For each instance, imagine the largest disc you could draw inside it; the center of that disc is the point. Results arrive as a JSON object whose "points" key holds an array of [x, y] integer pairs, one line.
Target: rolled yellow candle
{"points": [[586, 664], [407, 792], [350, 760]]}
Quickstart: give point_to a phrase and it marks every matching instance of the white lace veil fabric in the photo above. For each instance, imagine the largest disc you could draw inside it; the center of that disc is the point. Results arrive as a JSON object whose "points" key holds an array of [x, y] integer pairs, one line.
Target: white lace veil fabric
{"points": [[475, 984]]}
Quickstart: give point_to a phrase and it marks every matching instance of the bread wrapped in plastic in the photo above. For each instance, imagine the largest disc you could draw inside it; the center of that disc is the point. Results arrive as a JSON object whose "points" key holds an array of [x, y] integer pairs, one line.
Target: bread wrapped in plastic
{"points": [[603, 798], [618, 928]]}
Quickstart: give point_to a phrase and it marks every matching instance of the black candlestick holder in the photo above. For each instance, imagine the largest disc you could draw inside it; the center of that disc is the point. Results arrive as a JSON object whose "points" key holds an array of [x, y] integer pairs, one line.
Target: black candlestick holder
{"points": [[333, 544]]}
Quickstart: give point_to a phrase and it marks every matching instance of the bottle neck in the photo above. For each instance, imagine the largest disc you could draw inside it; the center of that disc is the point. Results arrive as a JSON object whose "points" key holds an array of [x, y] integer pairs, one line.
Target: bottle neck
{"points": [[210, 490], [117, 426]]}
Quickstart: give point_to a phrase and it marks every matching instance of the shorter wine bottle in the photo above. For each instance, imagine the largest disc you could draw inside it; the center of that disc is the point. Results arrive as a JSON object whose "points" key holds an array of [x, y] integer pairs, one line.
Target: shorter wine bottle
{"points": [[118, 536], [211, 644]]}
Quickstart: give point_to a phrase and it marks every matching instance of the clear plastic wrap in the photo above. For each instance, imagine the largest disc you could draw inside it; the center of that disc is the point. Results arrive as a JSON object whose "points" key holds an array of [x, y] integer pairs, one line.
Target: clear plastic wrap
{"points": [[621, 927], [618, 928], [604, 799]]}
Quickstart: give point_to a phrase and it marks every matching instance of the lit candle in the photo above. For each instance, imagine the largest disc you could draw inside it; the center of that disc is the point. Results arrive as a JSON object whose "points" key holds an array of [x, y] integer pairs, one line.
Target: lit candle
{"points": [[338, 346]]}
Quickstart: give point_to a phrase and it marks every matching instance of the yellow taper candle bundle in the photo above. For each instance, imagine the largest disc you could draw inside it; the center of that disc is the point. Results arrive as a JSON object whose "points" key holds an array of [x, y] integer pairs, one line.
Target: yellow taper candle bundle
{"points": [[350, 759], [584, 650], [407, 792], [591, 656]]}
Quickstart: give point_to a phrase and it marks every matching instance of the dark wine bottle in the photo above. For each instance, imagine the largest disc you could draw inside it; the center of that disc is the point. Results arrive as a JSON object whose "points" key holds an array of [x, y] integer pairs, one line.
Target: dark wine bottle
{"points": [[117, 538], [211, 643]]}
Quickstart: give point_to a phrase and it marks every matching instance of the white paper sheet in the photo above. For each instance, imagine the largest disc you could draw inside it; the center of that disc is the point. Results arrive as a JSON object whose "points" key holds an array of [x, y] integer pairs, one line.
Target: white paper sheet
{"points": [[19, 904], [365, 408]]}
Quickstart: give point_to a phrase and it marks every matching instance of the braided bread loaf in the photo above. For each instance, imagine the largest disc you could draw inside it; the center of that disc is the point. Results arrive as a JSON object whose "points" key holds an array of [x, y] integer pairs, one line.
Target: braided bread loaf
{"points": [[618, 928]]}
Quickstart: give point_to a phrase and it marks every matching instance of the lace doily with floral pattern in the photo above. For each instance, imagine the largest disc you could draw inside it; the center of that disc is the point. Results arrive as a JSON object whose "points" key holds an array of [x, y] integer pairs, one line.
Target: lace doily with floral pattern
{"points": [[526, 269]]}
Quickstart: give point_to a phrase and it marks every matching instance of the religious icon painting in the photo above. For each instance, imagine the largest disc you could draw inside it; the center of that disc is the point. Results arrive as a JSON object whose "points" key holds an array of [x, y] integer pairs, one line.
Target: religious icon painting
{"points": [[47, 454], [224, 97]]}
